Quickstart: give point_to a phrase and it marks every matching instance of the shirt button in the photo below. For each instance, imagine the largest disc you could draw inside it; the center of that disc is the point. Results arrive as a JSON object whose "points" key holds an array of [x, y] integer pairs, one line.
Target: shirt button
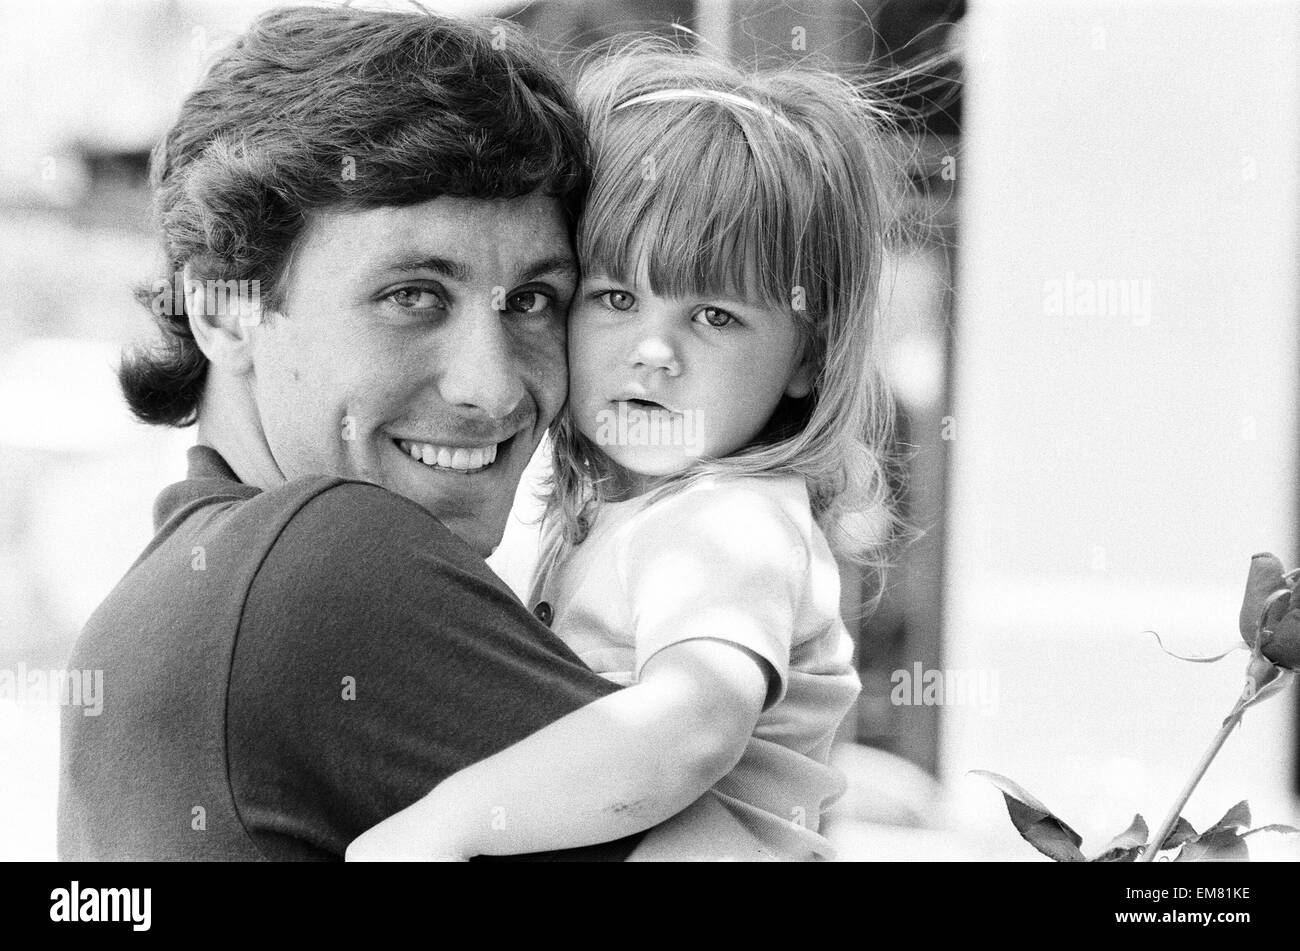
{"points": [[543, 613]]}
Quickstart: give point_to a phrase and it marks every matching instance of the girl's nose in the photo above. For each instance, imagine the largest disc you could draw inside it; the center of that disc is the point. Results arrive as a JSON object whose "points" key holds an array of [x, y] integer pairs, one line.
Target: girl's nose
{"points": [[654, 351]]}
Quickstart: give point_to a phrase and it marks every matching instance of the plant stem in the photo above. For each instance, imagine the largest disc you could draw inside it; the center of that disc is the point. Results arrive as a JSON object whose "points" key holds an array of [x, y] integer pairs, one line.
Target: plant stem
{"points": [[1171, 820]]}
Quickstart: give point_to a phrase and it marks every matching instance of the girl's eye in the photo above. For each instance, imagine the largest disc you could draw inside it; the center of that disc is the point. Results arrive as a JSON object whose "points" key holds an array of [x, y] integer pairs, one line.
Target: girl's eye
{"points": [[528, 302], [416, 298], [715, 316], [618, 300]]}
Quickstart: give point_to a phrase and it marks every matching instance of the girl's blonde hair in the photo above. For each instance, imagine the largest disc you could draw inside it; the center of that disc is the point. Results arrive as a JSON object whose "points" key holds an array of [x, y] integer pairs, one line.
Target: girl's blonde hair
{"points": [[713, 179]]}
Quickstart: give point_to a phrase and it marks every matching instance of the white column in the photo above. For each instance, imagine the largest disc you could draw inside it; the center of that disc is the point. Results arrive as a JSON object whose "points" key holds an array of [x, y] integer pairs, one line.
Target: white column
{"points": [[1124, 401]]}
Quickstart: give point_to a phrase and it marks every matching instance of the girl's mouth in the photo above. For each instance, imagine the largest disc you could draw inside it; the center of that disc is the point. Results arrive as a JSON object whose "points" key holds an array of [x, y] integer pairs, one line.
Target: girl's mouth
{"points": [[648, 405]]}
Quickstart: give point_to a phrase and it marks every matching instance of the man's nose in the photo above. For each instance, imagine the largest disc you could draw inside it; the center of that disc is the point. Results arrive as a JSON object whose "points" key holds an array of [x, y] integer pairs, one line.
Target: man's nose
{"points": [[480, 371]]}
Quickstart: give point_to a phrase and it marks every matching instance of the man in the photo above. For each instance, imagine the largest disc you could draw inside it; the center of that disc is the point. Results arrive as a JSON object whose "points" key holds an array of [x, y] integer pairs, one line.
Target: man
{"points": [[312, 641]]}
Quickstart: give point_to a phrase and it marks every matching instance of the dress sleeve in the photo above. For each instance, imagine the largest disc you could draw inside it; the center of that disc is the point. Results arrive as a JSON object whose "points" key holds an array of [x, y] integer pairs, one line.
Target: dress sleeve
{"points": [[723, 562], [376, 656]]}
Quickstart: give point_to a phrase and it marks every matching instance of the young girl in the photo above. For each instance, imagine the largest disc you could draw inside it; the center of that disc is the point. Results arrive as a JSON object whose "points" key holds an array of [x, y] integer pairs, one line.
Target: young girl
{"points": [[726, 414]]}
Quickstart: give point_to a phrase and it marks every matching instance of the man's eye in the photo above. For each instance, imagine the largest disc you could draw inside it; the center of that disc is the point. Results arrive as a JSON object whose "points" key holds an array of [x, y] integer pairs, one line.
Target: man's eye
{"points": [[715, 316], [529, 302], [416, 298], [618, 300]]}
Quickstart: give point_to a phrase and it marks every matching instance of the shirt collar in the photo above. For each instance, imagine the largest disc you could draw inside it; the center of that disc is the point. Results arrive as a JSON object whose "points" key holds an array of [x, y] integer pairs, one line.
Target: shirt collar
{"points": [[208, 476]]}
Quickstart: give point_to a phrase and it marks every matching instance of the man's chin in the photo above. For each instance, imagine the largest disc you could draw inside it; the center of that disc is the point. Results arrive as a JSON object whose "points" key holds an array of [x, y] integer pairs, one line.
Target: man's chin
{"points": [[481, 531], [475, 506], [481, 539], [482, 534], [479, 520]]}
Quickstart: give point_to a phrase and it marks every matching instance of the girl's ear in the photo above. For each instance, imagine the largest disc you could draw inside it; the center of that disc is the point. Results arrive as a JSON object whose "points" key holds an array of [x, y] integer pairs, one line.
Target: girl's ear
{"points": [[801, 378]]}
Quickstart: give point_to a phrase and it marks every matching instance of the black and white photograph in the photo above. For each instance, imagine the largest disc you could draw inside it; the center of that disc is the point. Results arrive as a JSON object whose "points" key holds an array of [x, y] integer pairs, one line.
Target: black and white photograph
{"points": [[748, 431]]}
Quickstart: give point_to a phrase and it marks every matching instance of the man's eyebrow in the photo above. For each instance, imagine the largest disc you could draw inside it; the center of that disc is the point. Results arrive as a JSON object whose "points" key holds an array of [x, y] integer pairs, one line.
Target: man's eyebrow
{"points": [[452, 270], [561, 264]]}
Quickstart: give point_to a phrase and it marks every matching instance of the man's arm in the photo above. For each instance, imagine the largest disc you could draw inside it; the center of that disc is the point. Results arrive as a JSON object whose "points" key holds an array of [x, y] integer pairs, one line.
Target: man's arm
{"points": [[377, 656]]}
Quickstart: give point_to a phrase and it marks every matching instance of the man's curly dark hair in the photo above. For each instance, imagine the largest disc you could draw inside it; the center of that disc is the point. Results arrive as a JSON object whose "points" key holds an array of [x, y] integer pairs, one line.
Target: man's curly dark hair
{"points": [[331, 108]]}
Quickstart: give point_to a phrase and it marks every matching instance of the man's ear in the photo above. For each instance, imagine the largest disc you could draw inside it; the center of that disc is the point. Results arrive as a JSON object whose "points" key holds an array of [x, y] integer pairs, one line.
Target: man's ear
{"points": [[221, 327], [802, 376]]}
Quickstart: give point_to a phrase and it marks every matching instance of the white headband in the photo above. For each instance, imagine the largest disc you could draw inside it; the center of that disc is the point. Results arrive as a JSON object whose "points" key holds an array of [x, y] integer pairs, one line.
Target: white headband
{"points": [[668, 95]]}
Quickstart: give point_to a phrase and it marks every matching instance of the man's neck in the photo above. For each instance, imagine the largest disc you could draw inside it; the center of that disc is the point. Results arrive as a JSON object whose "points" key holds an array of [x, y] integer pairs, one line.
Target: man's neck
{"points": [[229, 423]]}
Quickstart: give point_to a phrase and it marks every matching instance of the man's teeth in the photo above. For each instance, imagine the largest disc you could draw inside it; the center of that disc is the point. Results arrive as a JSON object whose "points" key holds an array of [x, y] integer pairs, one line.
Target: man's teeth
{"points": [[448, 457]]}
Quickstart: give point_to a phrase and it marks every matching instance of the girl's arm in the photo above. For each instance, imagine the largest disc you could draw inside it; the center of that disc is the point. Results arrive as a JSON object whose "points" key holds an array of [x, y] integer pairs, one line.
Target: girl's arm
{"points": [[617, 766]]}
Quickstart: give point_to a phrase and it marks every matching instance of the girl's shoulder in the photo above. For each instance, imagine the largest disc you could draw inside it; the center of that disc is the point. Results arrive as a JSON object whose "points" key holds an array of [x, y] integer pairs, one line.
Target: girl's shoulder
{"points": [[755, 505]]}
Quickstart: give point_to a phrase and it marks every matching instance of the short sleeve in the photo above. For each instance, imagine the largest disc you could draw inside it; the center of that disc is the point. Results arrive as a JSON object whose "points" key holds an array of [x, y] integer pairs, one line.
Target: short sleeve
{"points": [[376, 656], [723, 561]]}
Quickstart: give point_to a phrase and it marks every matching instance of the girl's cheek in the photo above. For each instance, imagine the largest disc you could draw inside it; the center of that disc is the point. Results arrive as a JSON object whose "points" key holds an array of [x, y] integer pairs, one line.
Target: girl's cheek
{"points": [[588, 360], [582, 383]]}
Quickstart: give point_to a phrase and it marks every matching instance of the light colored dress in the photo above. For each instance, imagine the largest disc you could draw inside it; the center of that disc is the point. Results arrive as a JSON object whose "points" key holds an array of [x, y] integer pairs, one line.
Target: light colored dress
{"points": [[738, 559]]}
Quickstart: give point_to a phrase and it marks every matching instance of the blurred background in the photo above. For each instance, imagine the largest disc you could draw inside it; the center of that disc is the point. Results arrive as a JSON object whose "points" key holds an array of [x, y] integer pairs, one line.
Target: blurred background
{"points": [[1093, 340]]}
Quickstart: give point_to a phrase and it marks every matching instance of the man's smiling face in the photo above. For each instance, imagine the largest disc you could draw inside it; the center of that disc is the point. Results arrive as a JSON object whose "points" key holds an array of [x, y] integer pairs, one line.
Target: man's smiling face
{"points": [[434, 331]]}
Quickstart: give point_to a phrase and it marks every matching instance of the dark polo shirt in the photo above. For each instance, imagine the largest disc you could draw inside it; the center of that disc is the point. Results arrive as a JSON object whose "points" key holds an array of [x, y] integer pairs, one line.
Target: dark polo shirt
{"points": [[284, 669]]}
